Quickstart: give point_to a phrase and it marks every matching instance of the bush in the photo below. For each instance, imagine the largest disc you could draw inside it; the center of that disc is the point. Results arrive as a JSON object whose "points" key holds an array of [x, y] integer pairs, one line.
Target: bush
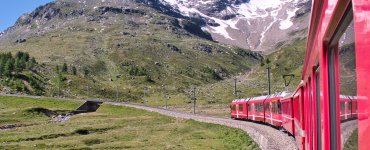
{"points": [[74, 70], [137, 71]]}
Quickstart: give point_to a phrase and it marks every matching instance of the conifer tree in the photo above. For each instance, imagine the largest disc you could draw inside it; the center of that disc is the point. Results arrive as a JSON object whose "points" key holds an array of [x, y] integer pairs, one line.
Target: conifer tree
{"points": [[8, 68], [17, 66], [57, 69], [64, 67], [74, 70]]}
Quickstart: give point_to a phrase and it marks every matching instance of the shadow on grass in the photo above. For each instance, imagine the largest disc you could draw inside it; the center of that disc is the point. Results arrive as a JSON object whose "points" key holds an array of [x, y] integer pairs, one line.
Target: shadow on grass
{"points": [[77, 132]]}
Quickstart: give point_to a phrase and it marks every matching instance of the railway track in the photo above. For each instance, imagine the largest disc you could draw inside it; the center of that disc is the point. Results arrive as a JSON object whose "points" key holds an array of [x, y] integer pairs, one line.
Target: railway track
{"points": [[268, 138]]}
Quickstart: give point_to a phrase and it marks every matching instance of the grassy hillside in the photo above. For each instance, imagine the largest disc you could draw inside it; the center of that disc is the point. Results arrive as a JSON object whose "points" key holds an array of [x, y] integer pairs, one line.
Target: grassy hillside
{"points": [[121, 52], [287, 60], [111, 127]]}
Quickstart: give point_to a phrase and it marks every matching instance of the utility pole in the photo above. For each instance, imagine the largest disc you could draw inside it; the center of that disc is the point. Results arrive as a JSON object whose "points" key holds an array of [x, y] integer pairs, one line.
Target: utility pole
{"points": [[117, 92], [268, 80], [194, 99], [235, 92], [167, 97], [145, 89], [58, 85], [87, 90]]}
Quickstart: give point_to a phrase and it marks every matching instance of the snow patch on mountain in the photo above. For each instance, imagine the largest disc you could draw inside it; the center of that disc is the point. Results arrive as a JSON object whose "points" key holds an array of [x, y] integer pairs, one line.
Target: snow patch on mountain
{"points": [[223, 25], [243, 23], [287, 23]]}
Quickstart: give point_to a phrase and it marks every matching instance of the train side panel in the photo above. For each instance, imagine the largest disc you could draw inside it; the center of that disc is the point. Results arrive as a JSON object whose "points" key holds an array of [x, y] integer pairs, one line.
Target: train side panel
{"points": [[287, 115], [273, 111], [256, 112], [298, 117]]}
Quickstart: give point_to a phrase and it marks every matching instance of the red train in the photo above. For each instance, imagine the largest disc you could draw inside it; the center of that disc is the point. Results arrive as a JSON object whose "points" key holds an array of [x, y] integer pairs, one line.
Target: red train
{"points": [[337, 63], [263, 108]]}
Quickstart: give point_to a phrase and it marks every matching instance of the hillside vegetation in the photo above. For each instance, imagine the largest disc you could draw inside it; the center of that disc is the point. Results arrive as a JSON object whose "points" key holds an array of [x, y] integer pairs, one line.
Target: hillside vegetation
{"points": [[119, 52], [111, 127], [19, 73], [287, 60]]}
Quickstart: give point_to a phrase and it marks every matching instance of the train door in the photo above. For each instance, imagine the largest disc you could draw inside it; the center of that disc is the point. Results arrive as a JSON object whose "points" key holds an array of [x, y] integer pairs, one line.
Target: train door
{"points": [[272, 112], [237, 110], [310, 117], [299, 118], [267, 112], [342, 81], [317, 122], [249, 111], [301, 115], [253, 112]]}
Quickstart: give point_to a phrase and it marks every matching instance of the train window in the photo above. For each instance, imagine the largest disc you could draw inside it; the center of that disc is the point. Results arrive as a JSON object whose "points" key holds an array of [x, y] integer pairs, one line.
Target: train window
{"points": [[297, 105], [233, 107], [267, 107], [249, 107], [259, 107], [286, 108], [279, 107], [240, 107], [342, 53]]}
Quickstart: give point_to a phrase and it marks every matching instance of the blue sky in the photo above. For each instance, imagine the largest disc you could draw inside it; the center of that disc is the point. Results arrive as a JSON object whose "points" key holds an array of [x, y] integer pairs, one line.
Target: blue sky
{"points": [[11, 10]]}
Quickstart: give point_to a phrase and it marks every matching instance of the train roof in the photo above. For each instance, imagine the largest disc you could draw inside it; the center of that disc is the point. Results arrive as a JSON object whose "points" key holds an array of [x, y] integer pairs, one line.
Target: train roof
{"points": [[278, 94], [241, 100], [348, 96]]}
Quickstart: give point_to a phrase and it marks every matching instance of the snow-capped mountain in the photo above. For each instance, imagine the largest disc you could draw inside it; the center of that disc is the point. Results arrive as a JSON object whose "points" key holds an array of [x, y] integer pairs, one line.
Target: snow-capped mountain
{"points": [[261, 25]]}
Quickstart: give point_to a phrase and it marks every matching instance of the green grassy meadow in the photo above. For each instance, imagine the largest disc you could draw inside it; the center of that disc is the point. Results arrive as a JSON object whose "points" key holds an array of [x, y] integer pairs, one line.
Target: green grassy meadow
{"points": [[111, 127]]}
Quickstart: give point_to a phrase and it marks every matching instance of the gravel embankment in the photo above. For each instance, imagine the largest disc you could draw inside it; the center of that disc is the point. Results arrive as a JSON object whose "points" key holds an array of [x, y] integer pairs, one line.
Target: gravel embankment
{"points": [[347, 129], [266, 137]]}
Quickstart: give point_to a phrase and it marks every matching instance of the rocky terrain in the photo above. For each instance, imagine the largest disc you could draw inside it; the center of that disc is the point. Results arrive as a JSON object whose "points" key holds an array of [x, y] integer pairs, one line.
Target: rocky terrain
{"points": [[260, 25]]}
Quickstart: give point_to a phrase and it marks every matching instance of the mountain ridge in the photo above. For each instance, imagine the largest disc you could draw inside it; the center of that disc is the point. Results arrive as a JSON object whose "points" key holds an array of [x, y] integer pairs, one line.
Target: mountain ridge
{"points": [[249, 24], [122, 47]]}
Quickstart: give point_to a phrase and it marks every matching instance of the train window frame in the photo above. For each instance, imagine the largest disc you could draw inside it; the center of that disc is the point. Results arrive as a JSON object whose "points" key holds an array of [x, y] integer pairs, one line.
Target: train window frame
{"points": [[241, 107], [259, 107], [331, 61], [279, 107]]}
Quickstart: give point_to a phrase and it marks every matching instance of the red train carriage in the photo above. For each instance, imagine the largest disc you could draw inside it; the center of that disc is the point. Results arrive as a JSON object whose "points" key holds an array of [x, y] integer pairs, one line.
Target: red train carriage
{"points": [[255, 107], [287, 113], [273, 109], [263, 108], [238, 109], [299, 116], [337, 63], [292, 106], [345, 107], [354, 107]]}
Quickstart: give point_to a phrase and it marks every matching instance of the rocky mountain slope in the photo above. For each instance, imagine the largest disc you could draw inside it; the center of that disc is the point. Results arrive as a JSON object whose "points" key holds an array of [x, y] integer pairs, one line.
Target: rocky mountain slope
{"points": [[260, 25], [123, 49]]}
